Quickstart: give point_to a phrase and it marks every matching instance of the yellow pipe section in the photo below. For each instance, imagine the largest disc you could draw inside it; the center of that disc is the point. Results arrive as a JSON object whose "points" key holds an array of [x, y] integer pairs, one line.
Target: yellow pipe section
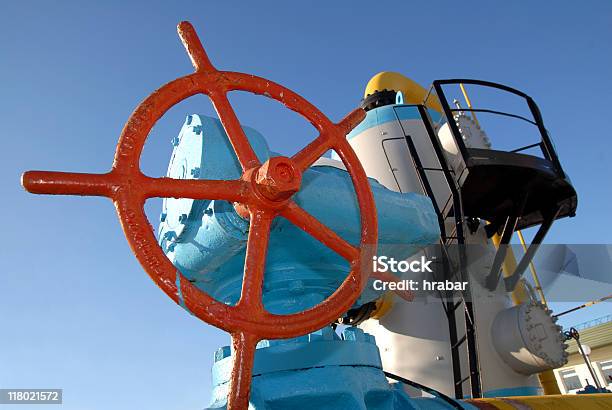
{"points": [[469, 103], [520, 293], [553, 402], [548, 381], [534, 274], [383, 306]]}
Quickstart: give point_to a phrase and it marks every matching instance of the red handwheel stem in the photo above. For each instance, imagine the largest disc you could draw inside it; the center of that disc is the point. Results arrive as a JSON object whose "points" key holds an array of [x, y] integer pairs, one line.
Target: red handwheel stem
{"points": [[244, 345]]}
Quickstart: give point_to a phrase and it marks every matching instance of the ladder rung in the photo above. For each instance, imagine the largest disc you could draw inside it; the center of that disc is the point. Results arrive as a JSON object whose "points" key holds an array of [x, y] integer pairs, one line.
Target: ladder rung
{"points": [[462, 381], [451, 171], [456, 305], [459, 342]]}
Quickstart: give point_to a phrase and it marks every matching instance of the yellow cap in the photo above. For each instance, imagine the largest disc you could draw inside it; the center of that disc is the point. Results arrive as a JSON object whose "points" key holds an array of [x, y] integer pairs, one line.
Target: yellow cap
{"points": [[413, 93]]}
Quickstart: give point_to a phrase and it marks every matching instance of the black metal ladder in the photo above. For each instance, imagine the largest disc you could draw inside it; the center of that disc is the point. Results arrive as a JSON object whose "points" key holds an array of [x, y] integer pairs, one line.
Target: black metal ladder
{"points": [[450, 301]]}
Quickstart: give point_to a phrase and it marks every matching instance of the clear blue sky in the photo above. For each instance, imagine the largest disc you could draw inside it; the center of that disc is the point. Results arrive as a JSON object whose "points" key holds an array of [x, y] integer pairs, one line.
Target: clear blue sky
{"points": [[76, 310]]}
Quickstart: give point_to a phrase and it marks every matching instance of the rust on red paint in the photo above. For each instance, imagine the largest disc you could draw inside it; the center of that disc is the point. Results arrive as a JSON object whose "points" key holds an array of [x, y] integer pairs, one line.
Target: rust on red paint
{"points": [[263, 192]]}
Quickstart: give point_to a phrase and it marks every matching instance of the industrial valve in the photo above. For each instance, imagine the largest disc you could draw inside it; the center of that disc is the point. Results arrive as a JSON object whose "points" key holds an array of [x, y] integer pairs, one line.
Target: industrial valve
{"points": [[262, 193]]}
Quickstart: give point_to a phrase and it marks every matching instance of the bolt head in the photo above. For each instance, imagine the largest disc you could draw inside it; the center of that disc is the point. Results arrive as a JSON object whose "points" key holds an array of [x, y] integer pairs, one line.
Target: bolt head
{"points": [[195, 172], [277, 179], [222, 353]]}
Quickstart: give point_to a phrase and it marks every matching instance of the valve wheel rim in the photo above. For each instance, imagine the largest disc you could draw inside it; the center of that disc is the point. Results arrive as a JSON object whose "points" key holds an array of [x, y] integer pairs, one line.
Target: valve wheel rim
{"points": [[129, 202], [247, 321]]}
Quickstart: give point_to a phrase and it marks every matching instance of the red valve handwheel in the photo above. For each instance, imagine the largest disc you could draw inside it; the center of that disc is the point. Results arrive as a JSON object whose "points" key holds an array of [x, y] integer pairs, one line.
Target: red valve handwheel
{"points": [[263, 192]]}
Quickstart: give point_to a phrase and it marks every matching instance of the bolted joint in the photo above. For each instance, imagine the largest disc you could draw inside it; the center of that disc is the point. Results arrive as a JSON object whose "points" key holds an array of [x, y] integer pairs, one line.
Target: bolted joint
{"points": [[277, 179]]}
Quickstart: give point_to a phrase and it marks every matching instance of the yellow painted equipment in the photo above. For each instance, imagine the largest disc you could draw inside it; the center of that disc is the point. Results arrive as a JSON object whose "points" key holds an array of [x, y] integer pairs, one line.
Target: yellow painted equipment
{"points": [[553, 402], [413, 92]]}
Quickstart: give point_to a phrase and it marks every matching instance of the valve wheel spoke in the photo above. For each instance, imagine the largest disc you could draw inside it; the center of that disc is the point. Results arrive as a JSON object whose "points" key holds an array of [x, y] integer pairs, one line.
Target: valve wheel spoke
{"points": [[218, 95], [255, 262], [194, 47], [110, 185], [228, 190], [349, 122], [233, 129], [327, 140], [311, 225], [313, 151]]}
